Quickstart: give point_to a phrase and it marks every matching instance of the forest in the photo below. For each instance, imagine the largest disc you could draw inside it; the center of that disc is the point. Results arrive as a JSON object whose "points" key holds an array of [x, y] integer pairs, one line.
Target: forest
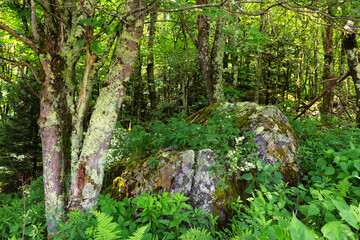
{"points": [[179, 119]]}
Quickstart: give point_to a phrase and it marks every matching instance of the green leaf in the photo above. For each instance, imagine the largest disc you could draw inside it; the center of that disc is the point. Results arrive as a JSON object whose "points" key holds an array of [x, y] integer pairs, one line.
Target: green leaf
{"points": [[309, 210], [247, 176], [352, 145], [329, 171], [321, 162], [336, 230], [299, 231], [346, 213], [357, 164], [80, 42]]}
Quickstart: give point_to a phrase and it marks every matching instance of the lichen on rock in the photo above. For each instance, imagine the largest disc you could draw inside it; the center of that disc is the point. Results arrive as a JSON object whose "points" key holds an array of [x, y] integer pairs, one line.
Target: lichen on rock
{"points": [[190, 173], [276, 140]]}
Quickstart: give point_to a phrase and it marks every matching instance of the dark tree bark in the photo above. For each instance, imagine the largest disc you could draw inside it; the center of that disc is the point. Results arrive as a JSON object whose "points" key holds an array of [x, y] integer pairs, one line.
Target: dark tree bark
{"points": [[137, 88], [150, 61], [203, 47]]}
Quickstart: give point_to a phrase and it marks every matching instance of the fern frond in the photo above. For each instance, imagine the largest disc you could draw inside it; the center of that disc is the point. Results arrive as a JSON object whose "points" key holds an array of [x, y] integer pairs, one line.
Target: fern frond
{"points": [[343, 188], [105, 228], [139, 233], [196, 234]]}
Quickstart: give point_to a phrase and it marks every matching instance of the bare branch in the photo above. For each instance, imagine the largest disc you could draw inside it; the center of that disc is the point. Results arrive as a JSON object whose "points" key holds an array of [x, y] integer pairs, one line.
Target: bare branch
{"points": [[17, 85], [23, 63], [23, 39], [193, 7], [33, 20], [188, 30], [257, 13], [336, 81]]}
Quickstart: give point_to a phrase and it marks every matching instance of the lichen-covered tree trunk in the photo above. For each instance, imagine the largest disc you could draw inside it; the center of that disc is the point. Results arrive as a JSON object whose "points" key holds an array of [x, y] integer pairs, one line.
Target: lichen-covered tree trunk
{"points": [[52, 148], [352, 52], [341, 84], [217, 59], [87, 173], [234, 56], [63, 37], [328, 44]]}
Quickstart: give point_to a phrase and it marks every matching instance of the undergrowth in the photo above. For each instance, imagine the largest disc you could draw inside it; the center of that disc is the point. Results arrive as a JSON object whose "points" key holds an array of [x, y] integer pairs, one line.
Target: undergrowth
{"points": [[324, 205]]}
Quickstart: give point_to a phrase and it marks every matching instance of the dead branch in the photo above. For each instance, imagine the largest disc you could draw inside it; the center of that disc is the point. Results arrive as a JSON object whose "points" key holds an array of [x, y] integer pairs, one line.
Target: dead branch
{"points": [[343, 105], [307, 106], [30, 90]]}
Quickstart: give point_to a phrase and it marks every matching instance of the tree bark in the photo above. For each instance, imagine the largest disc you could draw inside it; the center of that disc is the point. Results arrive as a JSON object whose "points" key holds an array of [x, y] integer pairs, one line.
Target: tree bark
{"points": [[352, 53], [328, 45], [88, 172], [150, 62], [65, 102], [203, 47], [137, 85], [217, 59]]}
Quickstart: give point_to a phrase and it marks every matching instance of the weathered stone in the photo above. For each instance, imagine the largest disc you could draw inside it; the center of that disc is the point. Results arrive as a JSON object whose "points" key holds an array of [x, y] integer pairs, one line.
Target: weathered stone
{"points": [[277, 142], [190, 172]]}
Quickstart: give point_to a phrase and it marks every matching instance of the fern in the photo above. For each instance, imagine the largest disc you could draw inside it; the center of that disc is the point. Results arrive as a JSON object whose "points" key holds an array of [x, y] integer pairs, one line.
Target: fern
{"points": [[105, 228], [139, 234], [343, 188], [196, 234]]}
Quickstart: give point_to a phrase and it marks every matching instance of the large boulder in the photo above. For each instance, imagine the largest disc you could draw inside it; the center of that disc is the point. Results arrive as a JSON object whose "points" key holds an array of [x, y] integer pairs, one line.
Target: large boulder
{"points": [[275, 137], [190, 172]]}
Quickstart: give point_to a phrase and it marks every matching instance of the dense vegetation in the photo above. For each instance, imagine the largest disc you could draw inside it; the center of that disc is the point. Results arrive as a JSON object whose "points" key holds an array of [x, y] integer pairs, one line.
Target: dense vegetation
{"points": [[325, 203], [76, 74]]}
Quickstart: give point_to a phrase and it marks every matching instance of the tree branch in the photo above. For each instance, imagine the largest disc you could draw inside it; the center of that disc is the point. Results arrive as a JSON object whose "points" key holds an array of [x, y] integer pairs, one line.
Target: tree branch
{"points": [[24, 40], [258, 13], [336, 81], [188, 30], [33, 20], [17, 85], [13, 62], [193, 7]]}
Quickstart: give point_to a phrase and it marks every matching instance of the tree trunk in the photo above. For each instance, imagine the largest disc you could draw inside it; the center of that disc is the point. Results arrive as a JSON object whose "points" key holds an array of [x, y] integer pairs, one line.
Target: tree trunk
{"points": [[234, 56], [203, 48], [137, 87], [341, 84], [328, 44], [52, 149], [217, 59], [150, 62], [88, 172], [352, 53], [65, 102]]}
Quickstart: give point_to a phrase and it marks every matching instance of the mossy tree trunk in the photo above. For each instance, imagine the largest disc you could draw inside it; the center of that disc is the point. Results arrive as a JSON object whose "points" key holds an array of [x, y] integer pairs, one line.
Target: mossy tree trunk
{"points": [[210, 57], [328, 45], [60, 38], [352, 53], [217, 59]]}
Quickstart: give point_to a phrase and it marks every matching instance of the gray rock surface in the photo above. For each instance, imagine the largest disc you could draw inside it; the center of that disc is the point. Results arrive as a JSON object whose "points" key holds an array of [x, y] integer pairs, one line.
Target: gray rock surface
{"points": [[189, 172]]}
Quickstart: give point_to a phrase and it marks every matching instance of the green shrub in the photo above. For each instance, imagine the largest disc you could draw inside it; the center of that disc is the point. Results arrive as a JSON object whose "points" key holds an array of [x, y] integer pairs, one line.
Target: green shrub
{"points": [[167, 215], [29, 212]]}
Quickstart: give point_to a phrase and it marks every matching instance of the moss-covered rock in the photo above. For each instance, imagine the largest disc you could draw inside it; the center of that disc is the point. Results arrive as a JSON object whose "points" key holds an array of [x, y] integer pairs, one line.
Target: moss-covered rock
{"points": [[275, 137], [189, 171]]}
